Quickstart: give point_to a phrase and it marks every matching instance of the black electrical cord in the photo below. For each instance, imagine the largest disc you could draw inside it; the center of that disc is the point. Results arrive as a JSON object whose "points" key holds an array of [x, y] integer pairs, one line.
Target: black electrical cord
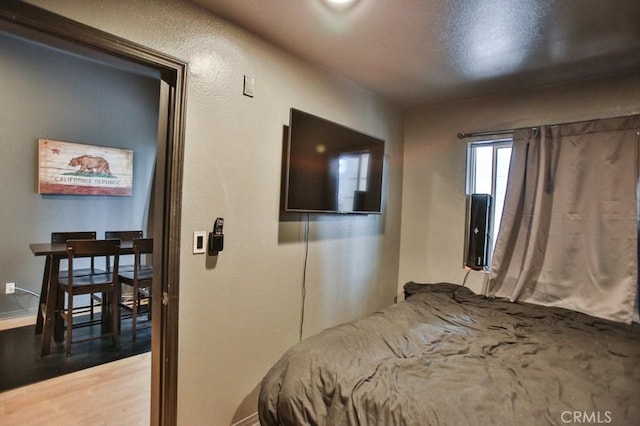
{"points": [[304, 275], [464, 280]]}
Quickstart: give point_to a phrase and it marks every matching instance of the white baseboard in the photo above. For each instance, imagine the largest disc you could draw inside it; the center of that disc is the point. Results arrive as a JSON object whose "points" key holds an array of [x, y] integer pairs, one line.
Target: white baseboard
{"points": [[17, 321]]}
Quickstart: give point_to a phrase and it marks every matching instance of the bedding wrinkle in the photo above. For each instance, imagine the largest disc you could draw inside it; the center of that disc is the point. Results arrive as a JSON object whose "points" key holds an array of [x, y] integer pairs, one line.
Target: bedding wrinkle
{"points": [[446, 356]]}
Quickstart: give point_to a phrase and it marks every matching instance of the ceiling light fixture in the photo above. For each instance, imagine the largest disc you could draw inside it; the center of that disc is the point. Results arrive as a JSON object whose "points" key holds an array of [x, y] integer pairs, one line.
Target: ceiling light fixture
{"points": [[340, 4]]}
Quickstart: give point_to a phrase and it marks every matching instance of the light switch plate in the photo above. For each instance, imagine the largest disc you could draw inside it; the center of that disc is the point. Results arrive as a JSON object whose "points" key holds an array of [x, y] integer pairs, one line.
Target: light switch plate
{"points": [[199, 242]]}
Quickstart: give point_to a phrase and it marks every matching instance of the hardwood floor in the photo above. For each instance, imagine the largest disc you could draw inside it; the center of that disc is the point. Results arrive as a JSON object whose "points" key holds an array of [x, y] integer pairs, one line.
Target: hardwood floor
{"points": [[116, 393], [111, 394]]}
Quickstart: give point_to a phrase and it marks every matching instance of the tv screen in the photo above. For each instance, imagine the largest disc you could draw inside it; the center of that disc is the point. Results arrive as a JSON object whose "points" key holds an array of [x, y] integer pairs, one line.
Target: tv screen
{"points": [[331, 168]]}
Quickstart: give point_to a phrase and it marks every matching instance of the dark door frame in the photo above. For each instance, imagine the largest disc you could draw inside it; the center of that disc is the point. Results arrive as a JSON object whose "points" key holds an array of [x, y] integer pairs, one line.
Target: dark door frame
{"points": [[167, 188]]}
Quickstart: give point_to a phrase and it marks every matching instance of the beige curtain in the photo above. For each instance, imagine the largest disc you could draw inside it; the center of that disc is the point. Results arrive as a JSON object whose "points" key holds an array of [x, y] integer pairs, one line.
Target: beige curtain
{"points": [[569, 231]]}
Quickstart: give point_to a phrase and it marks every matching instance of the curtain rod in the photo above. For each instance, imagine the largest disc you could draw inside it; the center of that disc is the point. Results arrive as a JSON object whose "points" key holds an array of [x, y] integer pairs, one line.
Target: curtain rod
{"points": [[491, 133], [487, 133]]}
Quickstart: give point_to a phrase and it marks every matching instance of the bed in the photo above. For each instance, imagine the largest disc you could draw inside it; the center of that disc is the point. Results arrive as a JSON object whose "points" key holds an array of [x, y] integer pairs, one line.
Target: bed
{"points": [[446, 356]]}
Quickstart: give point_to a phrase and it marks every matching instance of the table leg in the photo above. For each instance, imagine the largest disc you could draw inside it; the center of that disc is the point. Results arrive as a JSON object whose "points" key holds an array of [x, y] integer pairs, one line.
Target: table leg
{"points": [[104, 313], [46, 277], [49, 310], [58, 322], [106, 319]]}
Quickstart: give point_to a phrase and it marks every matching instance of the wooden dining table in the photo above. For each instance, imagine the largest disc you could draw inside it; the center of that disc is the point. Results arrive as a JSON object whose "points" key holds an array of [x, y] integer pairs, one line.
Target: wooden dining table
{"points": [[48, 323]]}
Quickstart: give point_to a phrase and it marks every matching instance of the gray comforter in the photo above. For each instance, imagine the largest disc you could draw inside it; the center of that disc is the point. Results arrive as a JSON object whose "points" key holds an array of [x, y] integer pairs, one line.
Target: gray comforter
{"points": [[448, 357]]}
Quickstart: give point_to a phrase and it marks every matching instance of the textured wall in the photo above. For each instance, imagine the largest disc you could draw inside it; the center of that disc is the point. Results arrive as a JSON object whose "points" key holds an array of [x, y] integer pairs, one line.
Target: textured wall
{"points": [[433, 201], [239, 313]]}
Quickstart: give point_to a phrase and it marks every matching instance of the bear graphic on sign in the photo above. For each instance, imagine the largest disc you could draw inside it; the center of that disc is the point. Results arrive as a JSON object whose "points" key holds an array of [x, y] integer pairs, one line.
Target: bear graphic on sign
{"points": [[90, 164]]}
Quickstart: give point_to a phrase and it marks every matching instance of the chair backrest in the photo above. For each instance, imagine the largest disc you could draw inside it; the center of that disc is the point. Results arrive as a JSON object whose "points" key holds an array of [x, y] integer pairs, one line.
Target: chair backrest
{"points": [[63, 237], [91, 248], [143, 245], [123, 235]]}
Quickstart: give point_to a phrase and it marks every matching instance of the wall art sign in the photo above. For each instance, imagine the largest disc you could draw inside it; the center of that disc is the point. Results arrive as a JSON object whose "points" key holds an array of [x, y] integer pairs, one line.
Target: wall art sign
{"points": [[80, 169]]}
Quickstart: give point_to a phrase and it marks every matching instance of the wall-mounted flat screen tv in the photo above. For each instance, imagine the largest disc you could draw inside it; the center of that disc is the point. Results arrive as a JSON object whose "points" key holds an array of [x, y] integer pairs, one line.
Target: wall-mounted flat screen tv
{"points": [[331, 168]]}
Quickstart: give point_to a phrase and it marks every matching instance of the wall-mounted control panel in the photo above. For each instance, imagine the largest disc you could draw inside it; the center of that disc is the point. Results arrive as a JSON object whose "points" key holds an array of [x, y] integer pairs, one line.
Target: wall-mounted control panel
{"points": [[210, 242], [216, 237]]}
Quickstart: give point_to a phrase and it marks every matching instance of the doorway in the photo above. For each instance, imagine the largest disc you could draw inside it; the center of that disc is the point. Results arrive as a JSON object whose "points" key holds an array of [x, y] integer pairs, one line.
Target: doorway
{"points": [[31, 22]]}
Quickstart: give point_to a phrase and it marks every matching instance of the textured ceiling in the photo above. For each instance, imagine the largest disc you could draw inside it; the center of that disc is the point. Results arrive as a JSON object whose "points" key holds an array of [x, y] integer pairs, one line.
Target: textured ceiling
{"points": [[427, 51]]}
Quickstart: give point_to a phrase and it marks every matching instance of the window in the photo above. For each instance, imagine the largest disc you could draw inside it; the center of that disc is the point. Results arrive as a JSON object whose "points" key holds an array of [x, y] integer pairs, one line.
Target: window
{"points": [[487, 173]]}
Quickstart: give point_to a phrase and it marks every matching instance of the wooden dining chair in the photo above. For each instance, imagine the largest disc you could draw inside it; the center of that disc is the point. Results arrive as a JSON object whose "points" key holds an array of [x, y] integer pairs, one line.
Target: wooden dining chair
{"points": [[74, 285], [139, 279], [63, 237], [123, 236]]}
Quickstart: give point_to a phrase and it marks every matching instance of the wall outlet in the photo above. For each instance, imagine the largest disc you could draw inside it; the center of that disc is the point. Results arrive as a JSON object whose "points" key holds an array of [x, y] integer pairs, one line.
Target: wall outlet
{"points": [[9, 288]]}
